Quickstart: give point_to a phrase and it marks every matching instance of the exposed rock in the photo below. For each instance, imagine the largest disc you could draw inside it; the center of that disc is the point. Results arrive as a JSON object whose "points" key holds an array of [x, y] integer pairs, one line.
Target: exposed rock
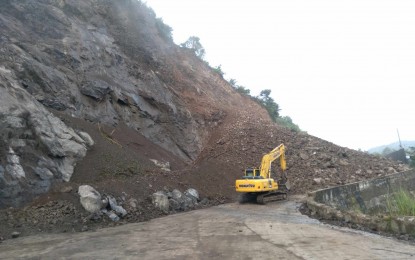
{"points": [[111, 214], [85, 136], [97, 89], [119, 210], [174, 205], [176, 195], [13, 167], [192, 193], [165, 166], [317, 180], [160, 201], [39, 147], [90, 198]]}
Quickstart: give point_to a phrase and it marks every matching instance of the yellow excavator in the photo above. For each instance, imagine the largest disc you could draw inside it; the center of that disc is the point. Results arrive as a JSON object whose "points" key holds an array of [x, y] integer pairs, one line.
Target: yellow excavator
{"points": [[257, 184]]}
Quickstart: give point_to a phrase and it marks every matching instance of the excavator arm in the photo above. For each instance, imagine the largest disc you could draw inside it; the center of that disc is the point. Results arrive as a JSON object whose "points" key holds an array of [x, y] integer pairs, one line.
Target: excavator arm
{"points": [[278, 152]]}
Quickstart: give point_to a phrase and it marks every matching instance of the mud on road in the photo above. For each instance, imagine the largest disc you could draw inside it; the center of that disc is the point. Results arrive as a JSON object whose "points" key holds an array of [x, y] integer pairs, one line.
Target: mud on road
{"points": [[230, 231]]}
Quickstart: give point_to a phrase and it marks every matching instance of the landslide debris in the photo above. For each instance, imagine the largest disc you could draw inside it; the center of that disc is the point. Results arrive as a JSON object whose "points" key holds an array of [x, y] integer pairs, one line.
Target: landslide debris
{"points": [[103, 68]]}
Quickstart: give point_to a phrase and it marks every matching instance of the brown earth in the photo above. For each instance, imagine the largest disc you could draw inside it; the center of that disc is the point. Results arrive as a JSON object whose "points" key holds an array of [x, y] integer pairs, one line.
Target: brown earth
{"points": [[119, 165], [209, 132]]}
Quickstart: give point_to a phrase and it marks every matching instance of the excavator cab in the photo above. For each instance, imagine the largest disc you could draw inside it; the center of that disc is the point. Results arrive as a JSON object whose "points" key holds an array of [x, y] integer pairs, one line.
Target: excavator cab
{"points": [[252, 173]]}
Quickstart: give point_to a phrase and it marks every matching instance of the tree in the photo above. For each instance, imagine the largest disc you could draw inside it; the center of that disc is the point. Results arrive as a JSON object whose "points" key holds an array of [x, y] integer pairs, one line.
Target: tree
{"points": [[194, 44], [269, 103], [164, 30], [242, 90], [219, 70], [232, 82]]}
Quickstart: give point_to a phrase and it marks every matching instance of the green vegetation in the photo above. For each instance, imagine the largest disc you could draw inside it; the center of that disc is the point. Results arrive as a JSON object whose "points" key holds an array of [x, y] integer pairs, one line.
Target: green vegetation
{"points": [[194, 44], [269, 103], [401, 203], [287, 122], [266, 101], [164, 30], [219, 70], [264, 98]]}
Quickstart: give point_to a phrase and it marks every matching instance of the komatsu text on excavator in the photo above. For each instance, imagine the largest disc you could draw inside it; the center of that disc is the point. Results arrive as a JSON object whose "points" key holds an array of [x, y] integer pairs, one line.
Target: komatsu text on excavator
{"points": [[257, 184]]}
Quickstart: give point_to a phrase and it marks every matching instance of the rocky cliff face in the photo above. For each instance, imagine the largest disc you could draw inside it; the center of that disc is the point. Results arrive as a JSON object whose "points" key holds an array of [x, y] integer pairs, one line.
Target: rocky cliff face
{"points": [[107, 62], [71, 70], [36, 147]]}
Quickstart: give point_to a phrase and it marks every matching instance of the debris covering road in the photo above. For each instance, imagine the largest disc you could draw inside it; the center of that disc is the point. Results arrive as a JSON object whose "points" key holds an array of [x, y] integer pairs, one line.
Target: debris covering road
{"points": [[229, 231]]}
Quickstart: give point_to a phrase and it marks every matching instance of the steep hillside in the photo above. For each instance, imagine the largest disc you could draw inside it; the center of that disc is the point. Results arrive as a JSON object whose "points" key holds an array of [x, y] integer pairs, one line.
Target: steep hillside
{"points": [[107, 62], [92, 91]]}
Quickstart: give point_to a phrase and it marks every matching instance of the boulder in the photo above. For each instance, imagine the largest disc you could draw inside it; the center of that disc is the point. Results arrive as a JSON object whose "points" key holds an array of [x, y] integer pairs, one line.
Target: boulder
{"points": [[86, 137], [176, 195], [160, 201], [90, 198], [192, 193], [174, 205], [188, 202], [111, 214], [119, 210]]}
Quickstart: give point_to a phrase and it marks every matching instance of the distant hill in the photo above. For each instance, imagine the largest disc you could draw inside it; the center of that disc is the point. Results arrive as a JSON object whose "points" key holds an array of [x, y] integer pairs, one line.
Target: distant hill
{"points": [[393, 146]]}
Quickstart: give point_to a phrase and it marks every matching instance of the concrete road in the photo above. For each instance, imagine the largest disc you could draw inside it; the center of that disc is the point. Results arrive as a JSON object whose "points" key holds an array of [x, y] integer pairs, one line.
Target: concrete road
{"points": [[232, 231]]}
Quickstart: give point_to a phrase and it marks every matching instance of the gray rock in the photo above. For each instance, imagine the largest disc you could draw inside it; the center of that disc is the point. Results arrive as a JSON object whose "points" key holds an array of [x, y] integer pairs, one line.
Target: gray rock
{"points": [[174, 205], [14, 168], [165, 166], [97, 89], [90, 198], [24, 122], [43, 173], [160, 201], [188, 202], [111, 215], [114, 217], [176, 195], [192, 192], [86, 137], [114, 206]]}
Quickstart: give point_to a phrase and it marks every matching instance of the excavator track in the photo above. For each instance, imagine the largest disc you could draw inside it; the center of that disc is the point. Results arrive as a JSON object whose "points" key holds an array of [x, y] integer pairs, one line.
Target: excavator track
{"points": [[271, 196]]}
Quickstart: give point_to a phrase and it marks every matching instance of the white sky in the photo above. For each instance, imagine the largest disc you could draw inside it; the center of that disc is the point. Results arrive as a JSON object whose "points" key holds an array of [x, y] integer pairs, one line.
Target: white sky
{"points": [[343, 70]]}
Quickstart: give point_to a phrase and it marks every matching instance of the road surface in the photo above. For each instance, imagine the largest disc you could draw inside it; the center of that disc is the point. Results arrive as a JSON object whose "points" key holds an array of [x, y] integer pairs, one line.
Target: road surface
{"points": [[231, 231]]}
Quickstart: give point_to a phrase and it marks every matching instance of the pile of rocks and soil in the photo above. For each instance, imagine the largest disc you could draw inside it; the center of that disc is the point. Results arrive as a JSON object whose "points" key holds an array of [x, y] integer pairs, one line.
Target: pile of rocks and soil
{"points": [[95, 93]]}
